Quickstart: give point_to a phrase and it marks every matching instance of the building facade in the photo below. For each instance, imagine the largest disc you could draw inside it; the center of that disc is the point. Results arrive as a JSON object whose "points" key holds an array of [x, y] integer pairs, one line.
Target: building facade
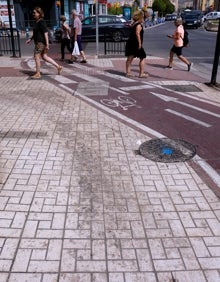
{"points": [[53, 8]]}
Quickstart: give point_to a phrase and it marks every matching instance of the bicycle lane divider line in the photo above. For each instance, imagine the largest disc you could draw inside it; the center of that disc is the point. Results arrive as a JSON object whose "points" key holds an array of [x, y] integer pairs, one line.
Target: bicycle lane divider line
{"points": [[213, 174], [188, 118], [183, 94], [176, 100]]}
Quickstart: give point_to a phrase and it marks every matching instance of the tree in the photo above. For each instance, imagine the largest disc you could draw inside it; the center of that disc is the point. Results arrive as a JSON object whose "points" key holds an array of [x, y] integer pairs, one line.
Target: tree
{"points": [[163, 7], [159, 6], [170, 8]]}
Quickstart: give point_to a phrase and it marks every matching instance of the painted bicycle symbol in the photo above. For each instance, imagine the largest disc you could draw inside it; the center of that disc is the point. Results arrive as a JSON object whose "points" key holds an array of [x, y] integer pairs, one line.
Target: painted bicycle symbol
{"points": [[122, 102]]}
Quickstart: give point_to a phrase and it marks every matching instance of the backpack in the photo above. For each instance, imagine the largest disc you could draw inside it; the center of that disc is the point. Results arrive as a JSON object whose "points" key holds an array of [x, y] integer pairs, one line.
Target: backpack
{"points": [[185, 38]]}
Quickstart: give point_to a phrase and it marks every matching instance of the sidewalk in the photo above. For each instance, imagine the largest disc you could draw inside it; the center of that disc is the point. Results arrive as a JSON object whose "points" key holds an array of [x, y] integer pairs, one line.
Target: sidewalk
{"points": [[77, 203]]}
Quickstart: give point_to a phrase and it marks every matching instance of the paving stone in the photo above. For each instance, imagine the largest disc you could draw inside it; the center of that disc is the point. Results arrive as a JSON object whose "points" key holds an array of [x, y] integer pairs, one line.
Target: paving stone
{"points": [[76, 203]]}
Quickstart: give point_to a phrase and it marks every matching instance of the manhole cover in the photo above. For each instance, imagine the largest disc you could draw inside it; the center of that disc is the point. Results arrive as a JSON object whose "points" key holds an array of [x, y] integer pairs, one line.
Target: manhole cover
{"points": [[167, 150], [183, 88]]}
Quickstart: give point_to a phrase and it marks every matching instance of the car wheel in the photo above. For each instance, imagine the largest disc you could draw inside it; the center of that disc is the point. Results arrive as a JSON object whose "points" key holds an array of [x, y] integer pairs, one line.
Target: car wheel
{"points": [[117, 36]]}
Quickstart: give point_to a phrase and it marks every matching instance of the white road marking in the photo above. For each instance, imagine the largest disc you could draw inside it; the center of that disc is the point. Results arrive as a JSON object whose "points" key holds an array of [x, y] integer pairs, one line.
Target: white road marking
{"points": [[88, 77], [188, 118], [63, 79], [183, 94], [137, 87], [118, 90], [67, 88], [171, 99]]}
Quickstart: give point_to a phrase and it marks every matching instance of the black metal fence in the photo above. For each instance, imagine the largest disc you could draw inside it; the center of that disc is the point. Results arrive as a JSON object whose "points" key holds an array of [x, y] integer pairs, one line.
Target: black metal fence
{"points": [[114, 48], [10, 42]]}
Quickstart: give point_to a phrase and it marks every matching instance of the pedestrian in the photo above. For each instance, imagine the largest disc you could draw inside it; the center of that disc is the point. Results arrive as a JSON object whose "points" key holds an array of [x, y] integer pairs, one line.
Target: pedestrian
{"points": [[41, 41], [1, 21], [1, 26], [134, 45], [177, 37], [78, 35], [65, 37]]}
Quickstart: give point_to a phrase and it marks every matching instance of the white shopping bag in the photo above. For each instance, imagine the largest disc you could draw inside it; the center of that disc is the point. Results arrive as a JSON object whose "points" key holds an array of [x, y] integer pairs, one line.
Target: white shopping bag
{"points": [[76, 49]]}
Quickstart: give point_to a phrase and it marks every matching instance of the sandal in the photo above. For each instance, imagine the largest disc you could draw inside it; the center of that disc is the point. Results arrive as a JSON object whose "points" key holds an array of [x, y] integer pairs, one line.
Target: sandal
{"points": [[144, 75], [59, 69], [129, 75], [36, 76]]}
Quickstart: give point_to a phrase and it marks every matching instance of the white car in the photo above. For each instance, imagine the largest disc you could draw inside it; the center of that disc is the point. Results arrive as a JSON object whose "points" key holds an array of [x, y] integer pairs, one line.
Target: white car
{"points": [[212, 16]]}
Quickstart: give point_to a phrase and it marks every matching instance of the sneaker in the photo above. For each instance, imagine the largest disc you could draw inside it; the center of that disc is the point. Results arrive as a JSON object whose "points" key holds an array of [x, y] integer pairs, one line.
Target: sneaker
{"points": [[189, 66], [70, 62], [169, 68], [83, 61]]}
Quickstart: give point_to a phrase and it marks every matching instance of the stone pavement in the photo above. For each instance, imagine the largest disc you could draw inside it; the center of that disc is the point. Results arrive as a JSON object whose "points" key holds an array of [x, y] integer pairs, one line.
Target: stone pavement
{"points": [[78, 205]]}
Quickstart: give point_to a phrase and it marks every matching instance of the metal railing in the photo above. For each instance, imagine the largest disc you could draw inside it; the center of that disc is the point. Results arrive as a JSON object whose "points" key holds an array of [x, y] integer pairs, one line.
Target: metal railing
{"points": [[10, 42], [112, 47]]}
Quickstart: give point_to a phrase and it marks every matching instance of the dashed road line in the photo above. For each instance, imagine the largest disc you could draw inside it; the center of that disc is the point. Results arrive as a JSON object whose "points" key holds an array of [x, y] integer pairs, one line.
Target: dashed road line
{"points": [[188, 118]]}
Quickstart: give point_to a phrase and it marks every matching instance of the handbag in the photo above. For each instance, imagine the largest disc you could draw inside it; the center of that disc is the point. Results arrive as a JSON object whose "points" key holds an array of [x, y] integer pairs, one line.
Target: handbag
{"points": [[76, 49]]}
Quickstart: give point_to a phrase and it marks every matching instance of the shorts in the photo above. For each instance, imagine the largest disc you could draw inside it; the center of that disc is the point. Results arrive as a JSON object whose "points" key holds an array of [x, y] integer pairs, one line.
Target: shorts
{"points": [[177, 50], [40, 48], [79, 41]]}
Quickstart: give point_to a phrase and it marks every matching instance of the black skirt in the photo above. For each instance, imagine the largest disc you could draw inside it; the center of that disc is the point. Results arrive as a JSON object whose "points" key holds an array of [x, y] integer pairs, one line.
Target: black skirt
{"points": [[132, 50]]}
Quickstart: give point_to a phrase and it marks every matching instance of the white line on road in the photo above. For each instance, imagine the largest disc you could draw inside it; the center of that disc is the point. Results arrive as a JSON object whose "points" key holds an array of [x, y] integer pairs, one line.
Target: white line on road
{"points": [[137, 87], [175, 100], [188, 118], [183, 94]]}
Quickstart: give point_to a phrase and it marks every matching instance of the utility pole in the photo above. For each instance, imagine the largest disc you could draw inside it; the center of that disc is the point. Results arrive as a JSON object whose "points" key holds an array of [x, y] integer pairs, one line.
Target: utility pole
{"points": [[216, 57]]}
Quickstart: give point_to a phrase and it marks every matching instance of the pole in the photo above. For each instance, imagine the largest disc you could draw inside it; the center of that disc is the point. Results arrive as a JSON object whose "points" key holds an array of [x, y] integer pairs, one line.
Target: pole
{"points": [[216, 57], [11, 29], [97, 27]]}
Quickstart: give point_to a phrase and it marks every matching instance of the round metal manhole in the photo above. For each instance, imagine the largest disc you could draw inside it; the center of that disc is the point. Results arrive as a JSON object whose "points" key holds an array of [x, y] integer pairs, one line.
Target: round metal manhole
{"points": [[167, 150]]}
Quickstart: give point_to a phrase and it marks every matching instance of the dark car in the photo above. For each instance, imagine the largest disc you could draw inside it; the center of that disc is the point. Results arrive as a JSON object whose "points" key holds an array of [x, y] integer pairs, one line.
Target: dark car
{"points": [[170, 17], [192, 19], [115, 27], [57, 34]]}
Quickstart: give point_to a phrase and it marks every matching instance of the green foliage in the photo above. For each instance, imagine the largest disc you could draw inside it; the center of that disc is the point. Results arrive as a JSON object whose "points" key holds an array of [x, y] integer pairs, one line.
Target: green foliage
{"points": [[159, 6], [113, 10], [170, 8], [163, 7]]}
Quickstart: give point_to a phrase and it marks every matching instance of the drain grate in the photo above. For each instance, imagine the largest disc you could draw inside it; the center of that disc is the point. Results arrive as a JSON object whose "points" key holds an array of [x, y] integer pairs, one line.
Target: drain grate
{"points": [[167, 150], [183, 88]]}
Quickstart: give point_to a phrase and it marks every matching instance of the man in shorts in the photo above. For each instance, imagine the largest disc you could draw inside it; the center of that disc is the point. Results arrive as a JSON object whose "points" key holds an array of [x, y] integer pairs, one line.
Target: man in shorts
{"points": [[78, 35], [178, 45]]}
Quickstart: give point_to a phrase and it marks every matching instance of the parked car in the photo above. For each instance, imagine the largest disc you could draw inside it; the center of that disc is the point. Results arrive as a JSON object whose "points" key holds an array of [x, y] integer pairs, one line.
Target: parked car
{"points": [[212, 16], [57, 34], [115, 27], [170, 17]]}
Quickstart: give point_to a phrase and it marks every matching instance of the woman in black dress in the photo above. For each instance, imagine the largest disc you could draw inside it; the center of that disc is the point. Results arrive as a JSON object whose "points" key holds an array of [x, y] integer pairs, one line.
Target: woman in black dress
{"points": [[41, 41], [134, 48]]}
